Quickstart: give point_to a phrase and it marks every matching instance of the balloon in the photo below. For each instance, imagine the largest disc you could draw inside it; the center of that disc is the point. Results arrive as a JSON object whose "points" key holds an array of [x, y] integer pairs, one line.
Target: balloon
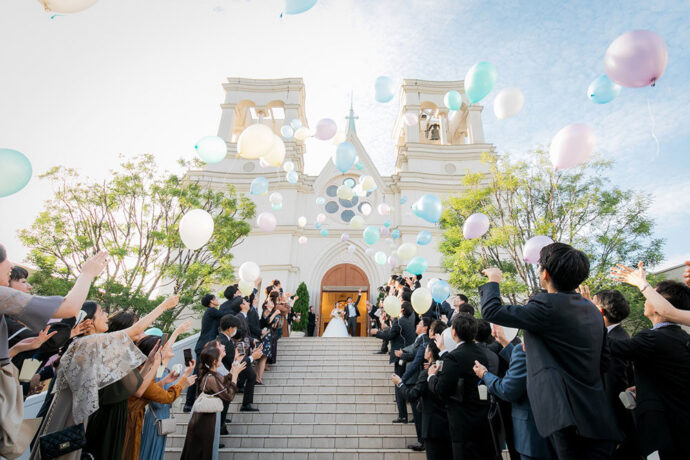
{"points": [[359, 165], [475, 226], [317, 225], [277, 206], [325, 129], [403, 199], [392, 260], [635, 59], [344, 156], [508, 102], [302, 221], [345, 193], [301, 133], [384, 209], [67, 6], [572, 145], [395, 234], [385, 231], [259, 186], [417, 265], [357, 222], [533, 247], [255, 141], [421, 300], [367, 183], [324, 232], [291, 177], [351, 248], [321, 218], [407, 251], [276, 154], [344, 237], [431, 282], [452, 100], [287, 132], [387, 223], [263, 163], [428, 207], [288, 166], [479, 81], [266, 221], [320, 201], [423, 237], [249, 271], [603, 90], [196, 228], [383, 89], [298, 6], [371, 235], [246, 287], [15, 171], [366, 209], [440, 291], [391, 304], [410, 118], [302, 240], [369, 251], [211, 149], [295, 124], [509, 332], [275, 197], [380, 257]]}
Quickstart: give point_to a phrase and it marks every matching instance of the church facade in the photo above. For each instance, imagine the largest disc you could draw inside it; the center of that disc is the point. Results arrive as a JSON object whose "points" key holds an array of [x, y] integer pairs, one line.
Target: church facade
{"points": [[432, 155]]}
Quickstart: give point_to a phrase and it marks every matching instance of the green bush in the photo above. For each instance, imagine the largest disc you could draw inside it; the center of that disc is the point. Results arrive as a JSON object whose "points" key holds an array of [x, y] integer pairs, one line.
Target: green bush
{"points": [[301, 307]]}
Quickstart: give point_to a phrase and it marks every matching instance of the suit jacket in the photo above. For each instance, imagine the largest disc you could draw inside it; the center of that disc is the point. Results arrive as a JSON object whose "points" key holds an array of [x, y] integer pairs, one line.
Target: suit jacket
{"points": [[347, 309], [618, 376], [209, 325], [254, 323], [491, 358], [566, 341], [434, 418], [407, 329], [230, 351], [392, 334], [416, 360], [311, 319], [662, 379], [468, 419], [513, 389], [233, 305]]}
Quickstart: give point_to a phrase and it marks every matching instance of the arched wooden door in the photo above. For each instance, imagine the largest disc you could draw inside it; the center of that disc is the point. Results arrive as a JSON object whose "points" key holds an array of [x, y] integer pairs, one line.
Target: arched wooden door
{"points": [[339, 283]]}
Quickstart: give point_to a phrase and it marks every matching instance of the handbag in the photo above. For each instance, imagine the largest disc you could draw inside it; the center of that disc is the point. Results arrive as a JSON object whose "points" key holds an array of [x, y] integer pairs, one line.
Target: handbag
{"points": [[208, 404], [62, 442], [165, 426]]}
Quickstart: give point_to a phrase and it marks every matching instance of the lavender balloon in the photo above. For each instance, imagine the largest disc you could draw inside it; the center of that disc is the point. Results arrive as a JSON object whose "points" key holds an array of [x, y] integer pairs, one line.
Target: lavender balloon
{"points": [[325, 129], [475, 226], [635, 59], [344, 237], [533, 246], [572, 145], [392, 260]]}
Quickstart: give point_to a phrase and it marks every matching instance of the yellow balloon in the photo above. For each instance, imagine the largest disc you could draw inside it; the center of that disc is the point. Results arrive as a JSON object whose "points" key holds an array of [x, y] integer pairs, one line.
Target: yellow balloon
{"points": [[407, 251], [357, 222], [367, 183], [255, 141], [391, 305], [421, 300], [276, 154], [302, 133], [345, 193]]}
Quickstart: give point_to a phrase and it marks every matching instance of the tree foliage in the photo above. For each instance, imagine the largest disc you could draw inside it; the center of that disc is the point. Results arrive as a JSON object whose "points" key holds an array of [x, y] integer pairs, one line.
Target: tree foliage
{"points": [[526, 198], [301, 306], [134, 214]]}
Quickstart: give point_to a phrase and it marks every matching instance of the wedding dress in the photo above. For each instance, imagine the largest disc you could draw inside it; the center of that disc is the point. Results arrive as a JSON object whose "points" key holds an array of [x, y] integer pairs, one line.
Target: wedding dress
{"points": [[336, 327]]}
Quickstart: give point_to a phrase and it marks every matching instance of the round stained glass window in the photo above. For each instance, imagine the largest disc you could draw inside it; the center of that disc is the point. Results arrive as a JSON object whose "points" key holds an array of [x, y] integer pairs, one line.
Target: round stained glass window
{"points": [[348, 203], [331, 207], [332, 191], [347, 215]]}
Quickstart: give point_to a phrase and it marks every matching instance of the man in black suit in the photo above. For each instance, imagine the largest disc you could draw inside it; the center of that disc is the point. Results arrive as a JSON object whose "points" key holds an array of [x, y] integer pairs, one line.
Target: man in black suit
{"points": [[395, 339], [311, 322], [234, 299], [565, 341], [456, 384], [661, 357], [484, 340], [351, 314]]}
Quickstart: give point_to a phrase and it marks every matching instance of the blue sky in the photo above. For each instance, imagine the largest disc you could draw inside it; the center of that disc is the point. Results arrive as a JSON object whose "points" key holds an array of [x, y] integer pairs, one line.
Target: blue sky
{"points": [[133, 76]]}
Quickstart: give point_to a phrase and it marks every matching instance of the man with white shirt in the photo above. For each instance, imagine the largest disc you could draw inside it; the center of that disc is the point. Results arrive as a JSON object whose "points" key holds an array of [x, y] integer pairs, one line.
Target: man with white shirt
{"points": [[351, 314]]}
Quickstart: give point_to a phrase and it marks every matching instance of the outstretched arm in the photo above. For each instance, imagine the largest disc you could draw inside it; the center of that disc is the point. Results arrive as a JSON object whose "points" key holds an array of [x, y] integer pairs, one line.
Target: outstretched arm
{"points": [[76, 297], [140, 326]]}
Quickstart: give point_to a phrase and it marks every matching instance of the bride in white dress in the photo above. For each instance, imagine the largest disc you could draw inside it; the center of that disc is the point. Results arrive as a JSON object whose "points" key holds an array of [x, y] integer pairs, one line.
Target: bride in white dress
{"points": [[336, 327]]}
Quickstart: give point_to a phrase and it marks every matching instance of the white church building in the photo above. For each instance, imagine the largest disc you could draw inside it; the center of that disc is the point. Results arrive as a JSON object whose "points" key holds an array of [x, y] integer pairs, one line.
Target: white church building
{"points": [[432, 156]]}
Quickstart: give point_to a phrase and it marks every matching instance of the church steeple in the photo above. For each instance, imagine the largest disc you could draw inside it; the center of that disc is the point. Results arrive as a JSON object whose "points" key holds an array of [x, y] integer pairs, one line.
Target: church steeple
{"points": [[351, 119]]}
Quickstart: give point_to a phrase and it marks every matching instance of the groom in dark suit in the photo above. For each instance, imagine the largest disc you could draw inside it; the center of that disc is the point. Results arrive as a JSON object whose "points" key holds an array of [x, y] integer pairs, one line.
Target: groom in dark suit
{"points": [[351, 314]]}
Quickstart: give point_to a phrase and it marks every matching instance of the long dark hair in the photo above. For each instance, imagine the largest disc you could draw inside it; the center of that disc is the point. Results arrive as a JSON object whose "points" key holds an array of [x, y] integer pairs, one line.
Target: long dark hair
{"points": [[121, 320], [209, 356], [3, 253]]}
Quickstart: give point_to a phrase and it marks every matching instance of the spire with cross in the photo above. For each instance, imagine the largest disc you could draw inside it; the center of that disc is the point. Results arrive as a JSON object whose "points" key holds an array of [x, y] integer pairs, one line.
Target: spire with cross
{"points": [[351, 118]]}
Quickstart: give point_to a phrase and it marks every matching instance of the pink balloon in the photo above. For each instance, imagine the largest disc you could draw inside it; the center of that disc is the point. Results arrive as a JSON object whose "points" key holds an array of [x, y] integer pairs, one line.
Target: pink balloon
{"points": [[302, 240], [344, 237], [385, 231], [572, 145], [392, 260], [321, 218], [533, 246], [635, 59], [475, 226], [325, 129], [384, 209], [266, 221]]}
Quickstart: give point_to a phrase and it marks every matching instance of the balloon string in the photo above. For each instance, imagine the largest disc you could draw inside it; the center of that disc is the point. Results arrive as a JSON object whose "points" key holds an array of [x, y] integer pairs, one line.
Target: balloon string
{"points": [[651, 116]]}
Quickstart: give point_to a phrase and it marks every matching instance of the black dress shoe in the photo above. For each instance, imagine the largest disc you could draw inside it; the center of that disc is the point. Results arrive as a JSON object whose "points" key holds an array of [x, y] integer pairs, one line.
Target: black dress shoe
{"points": [[416, 447], [224, 430], [248, 408], [187, 408], [400, 420], [381, 352], [221, 446]]}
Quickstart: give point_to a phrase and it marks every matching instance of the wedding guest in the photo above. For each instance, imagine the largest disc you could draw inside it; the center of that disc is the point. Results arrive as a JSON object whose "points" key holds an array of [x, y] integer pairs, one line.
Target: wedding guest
{"points": [[311, 322], [394, 337], [270, 317], [18, 281], [566, 340], [484, 340]]}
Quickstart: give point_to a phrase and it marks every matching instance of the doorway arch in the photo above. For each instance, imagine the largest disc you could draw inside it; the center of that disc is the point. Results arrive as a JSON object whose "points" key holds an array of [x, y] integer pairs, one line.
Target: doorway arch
{"points": [[338, 283]]}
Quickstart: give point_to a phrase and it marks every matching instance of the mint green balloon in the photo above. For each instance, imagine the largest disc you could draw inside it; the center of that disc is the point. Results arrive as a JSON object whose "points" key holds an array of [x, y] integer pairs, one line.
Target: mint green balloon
{"points": [[479, 81], [452, 100], [15, 171]]}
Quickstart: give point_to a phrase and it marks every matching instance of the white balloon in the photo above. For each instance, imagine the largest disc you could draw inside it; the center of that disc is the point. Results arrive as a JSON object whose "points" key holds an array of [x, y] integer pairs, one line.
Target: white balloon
{"points": [[345, 193], [303, 240], [275, 198], [508, 102], [366, 209], [369, 252], [249, 271], [196, 228], [357, 222], [302, 133], [276, 154], [321, 218], [288, 166], [509, 332], [255, 141], [431, 282], [246, 287], [384, 209], [67, 6], [407, 251], [266, 221], [302, 221], [351, 249]]}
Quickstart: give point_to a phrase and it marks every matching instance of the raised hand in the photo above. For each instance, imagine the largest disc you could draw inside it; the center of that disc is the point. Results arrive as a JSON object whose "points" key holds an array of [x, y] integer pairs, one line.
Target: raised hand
{"points": [[584, 291], [170, 302], [94, 265], [189, 369], [494, 274], [686, 273], [258, 352], [624, 274], [499, 335]]}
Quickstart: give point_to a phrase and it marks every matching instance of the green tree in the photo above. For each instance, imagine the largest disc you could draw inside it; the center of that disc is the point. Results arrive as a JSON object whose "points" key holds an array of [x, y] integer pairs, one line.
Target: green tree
{"points": [[134, 214], [527, 198], [301, 306]]}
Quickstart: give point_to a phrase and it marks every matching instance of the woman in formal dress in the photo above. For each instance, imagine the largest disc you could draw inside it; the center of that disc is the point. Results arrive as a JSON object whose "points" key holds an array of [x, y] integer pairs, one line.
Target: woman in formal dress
{"points": [[269, 318], [203, 432], [336, 327]]}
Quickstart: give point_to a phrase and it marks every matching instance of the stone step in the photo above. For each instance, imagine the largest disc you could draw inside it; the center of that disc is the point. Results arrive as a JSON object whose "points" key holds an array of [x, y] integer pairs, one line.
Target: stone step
{"points": [[305, 398], [316, 428], [355, 375], [337, 441], [330, 407], [381, 388], [328, 382], [308, 454], [292, 416]]}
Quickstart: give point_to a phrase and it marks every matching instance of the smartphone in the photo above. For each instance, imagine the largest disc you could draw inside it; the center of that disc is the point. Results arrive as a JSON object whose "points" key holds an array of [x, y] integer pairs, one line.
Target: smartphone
{"points": [[164, 339], [241, 348], [80, 317], [440, 365], [187, 356]]}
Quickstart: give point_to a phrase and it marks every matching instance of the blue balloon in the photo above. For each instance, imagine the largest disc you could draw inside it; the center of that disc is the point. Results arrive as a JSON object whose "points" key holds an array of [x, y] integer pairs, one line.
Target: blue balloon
{"points": [[15, 171], [403, 199], [298, 6], [291, 176], [384, 89], [287, 132], [359, 165], [423, 237], [371, 235], [453, 100], [480, 80], [154, 331], [440, 291], [387, 223], [324, 232], [603, 90], [296, 124], [344, 156], [320, 201], [259, 186], [277, 206], [417, 266], [395, 234], [211, 149], [428, 207], [317, 225]]}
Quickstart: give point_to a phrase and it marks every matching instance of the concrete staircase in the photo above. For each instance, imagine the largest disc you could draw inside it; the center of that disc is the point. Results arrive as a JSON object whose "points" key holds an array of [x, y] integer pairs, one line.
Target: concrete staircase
{"points": [[325, 398]]}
